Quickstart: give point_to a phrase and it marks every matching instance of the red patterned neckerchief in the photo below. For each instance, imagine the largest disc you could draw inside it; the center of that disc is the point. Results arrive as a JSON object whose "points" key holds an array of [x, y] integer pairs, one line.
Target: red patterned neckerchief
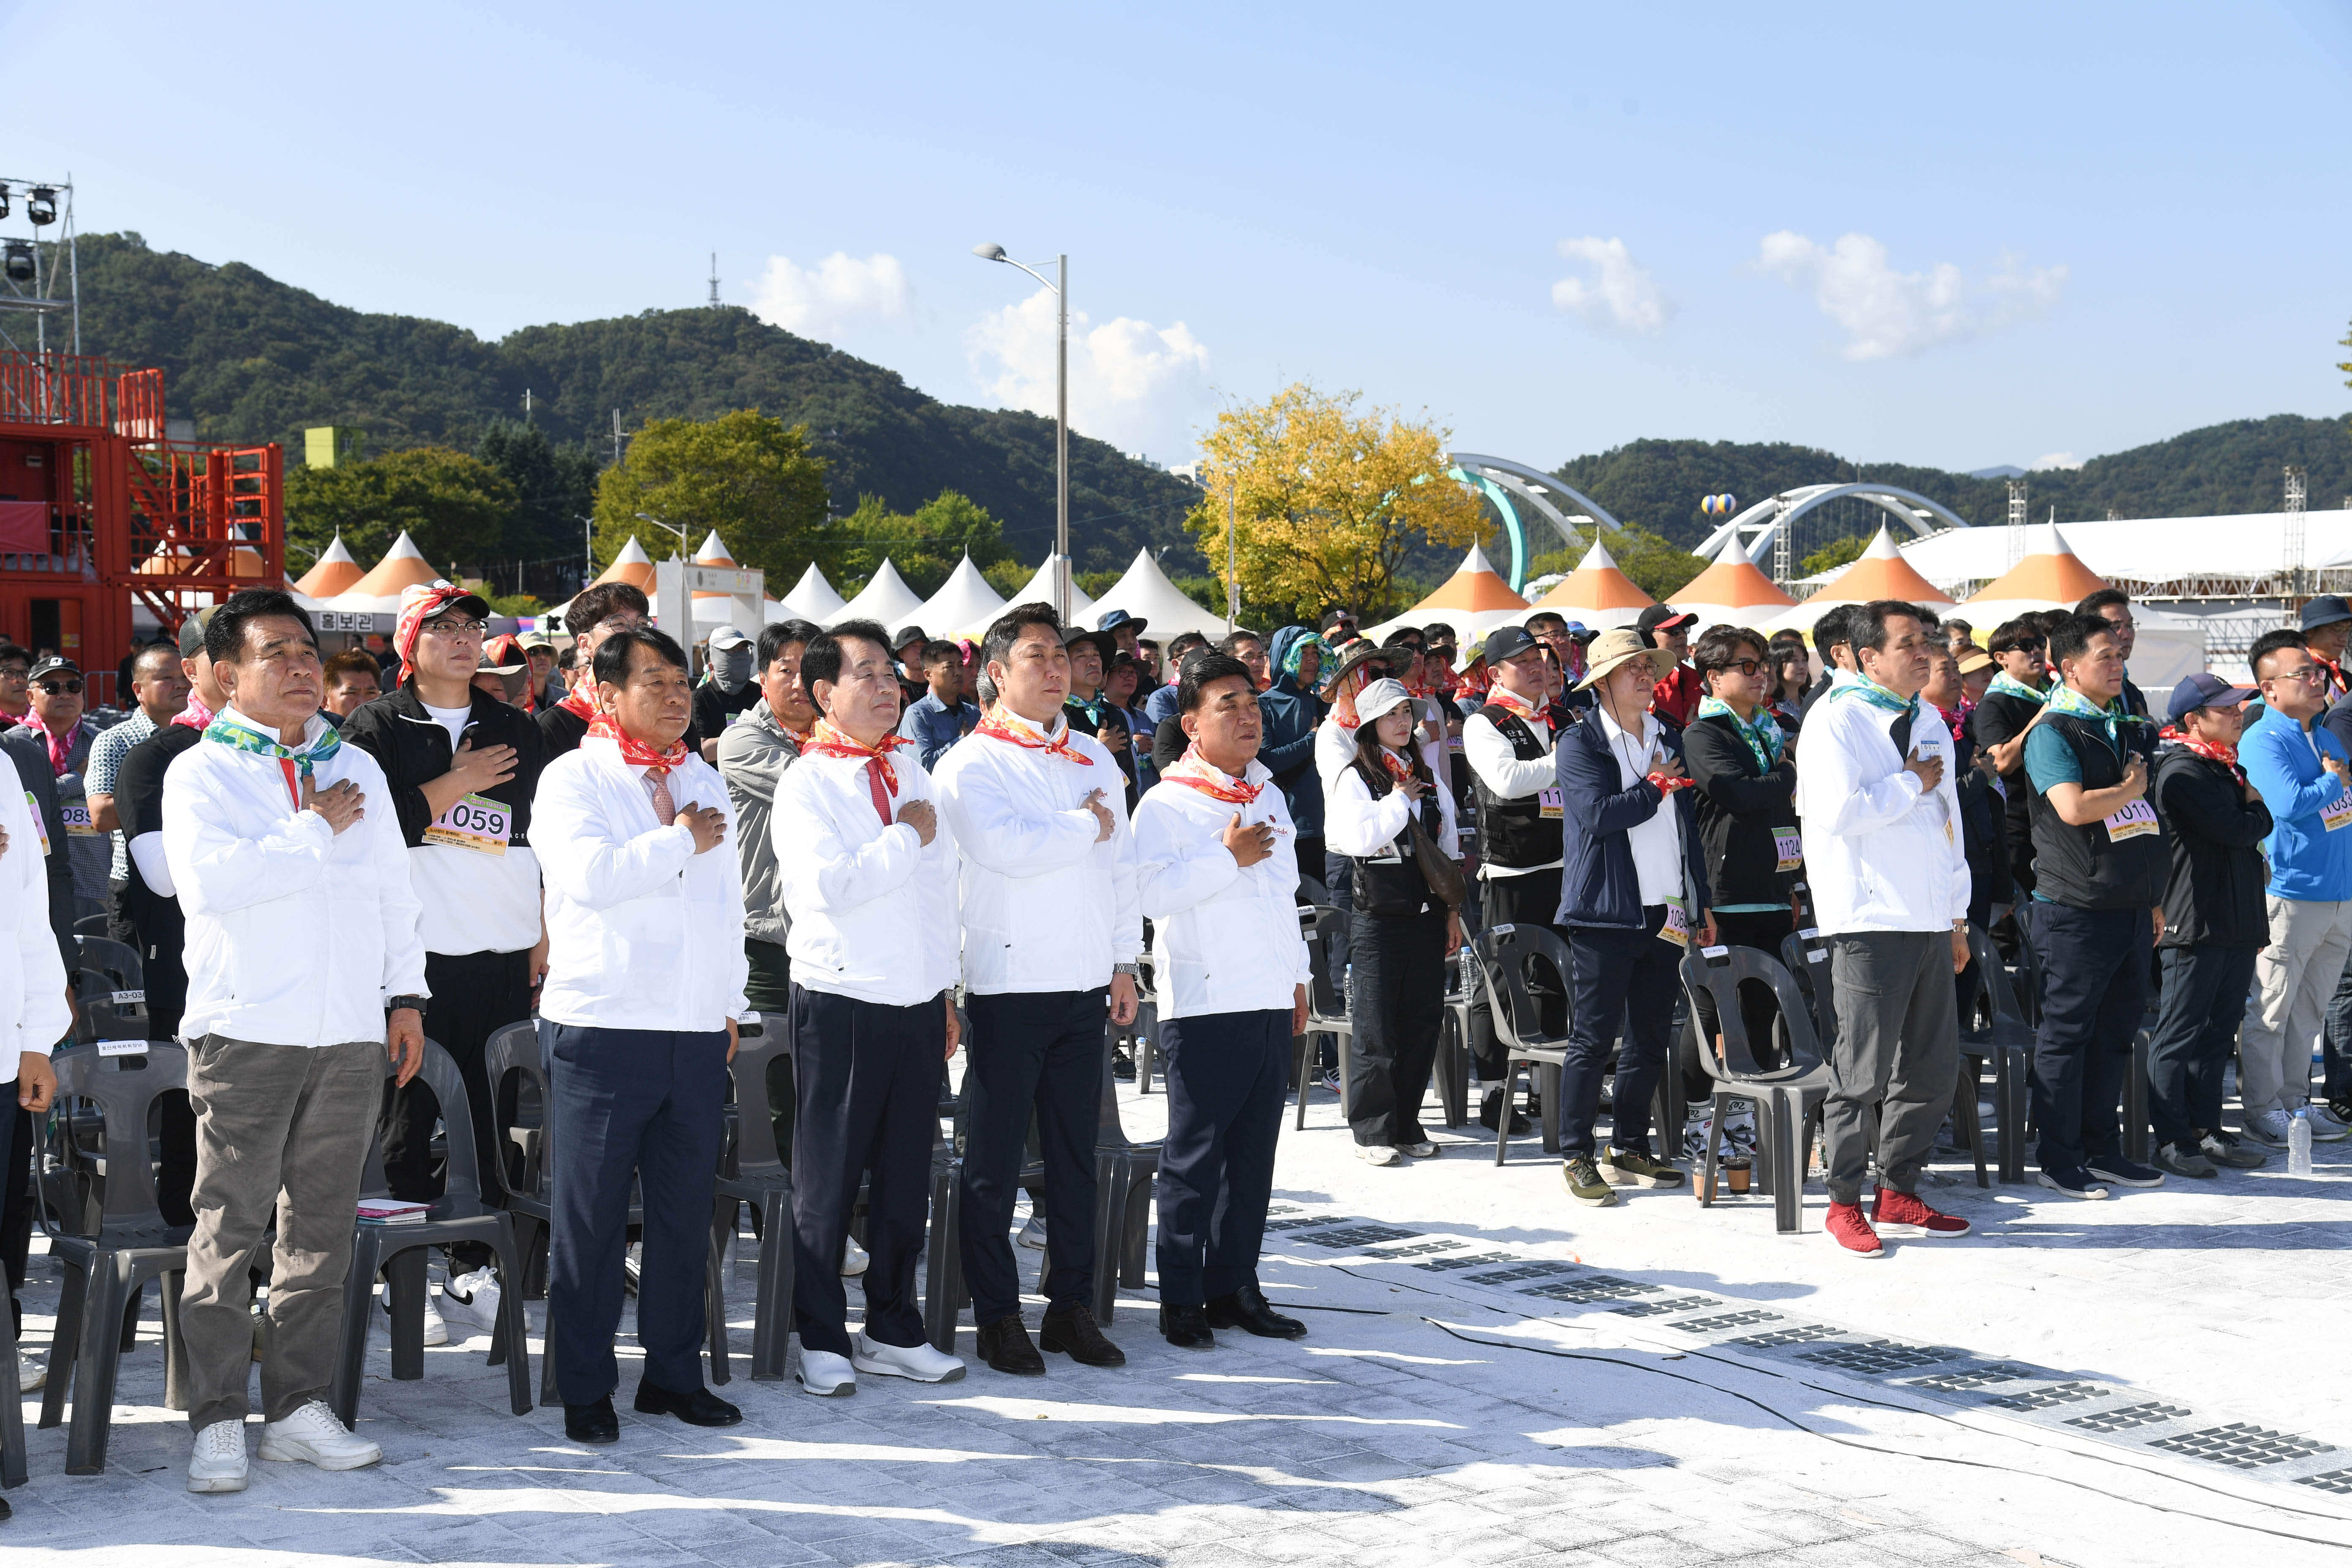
{"points": [[633, 751], [1343, 699], [2212, 751], [881, 774], [195, 715], [1510, 702], [60, 746], [1399, 769], [580, 701], [1001, 725], [1196, 772]]}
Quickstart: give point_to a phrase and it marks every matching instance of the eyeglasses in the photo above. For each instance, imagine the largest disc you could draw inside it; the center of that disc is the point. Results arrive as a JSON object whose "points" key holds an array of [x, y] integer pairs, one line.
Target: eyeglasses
{"points": [[62, 688], [457, 626], [1741, 666], [2308, 672]]}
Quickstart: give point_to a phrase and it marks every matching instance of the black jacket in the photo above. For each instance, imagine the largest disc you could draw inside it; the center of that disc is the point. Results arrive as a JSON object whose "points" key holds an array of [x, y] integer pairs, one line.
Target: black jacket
{"points": [[412, 749], [1999, 719], [40, 781], [2215, 893], [1741, 806]]}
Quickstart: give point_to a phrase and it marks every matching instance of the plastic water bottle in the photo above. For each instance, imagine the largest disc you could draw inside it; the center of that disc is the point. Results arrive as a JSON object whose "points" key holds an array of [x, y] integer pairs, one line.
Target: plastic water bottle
{"points": [[2298, 1142]]}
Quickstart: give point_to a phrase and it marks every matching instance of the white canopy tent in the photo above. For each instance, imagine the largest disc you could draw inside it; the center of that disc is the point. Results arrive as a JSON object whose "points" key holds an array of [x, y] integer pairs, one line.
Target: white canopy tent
{"points": [[2143, 552], [1039, 590], [1146, 594], [884, 598], [812, 598], [963, 606]]}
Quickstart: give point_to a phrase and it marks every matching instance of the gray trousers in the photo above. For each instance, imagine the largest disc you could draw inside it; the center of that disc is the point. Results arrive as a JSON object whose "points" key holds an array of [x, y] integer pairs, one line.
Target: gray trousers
{"points": [[283, 1129], [1895, 1058], [2293, 978]]}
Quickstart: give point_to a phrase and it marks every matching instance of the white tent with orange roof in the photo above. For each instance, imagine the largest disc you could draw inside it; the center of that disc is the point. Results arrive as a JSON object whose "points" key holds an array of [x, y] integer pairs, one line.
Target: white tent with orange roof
{"points": [[1473, 601], [1881, 573], [1733, 592], [632, 566], [403, 566], [2050, 577], [712, 554], [334, 572], [1597, 593]]}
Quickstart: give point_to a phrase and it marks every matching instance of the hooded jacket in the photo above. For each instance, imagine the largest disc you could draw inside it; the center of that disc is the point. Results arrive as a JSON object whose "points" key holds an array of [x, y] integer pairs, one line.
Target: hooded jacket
{"points": [[1287, 747]]}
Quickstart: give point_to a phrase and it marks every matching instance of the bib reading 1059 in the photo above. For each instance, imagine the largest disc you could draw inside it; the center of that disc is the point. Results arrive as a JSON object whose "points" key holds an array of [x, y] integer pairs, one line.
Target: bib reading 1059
{"points": [[473, 822]]}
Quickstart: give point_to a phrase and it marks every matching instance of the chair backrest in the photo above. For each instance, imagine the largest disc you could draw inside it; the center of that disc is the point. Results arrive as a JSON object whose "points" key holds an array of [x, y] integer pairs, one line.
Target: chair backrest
{"points": [[119, 960], [123, 1089], [1112, 1132], [1721, 971], [103, 1013], [516, 1049], [1994, 976], [1504, 953], [755, 1127], [1806, 954], [461, 1191], [1320, 924]]}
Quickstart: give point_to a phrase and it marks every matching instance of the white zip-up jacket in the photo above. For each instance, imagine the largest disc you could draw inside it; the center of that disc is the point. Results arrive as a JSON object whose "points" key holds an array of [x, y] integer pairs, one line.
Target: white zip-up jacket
{"points": [[296, 933], [1880, 854], [32, 1012], [873, 907], [1225, 939], [1354, 823], [642, 932], [1045, 906], [1497, 766]]}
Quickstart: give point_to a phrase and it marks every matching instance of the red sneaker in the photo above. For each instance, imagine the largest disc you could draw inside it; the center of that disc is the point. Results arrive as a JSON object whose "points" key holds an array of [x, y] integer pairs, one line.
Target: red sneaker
{"points": [[1851, 1231], [1902, 1214]]}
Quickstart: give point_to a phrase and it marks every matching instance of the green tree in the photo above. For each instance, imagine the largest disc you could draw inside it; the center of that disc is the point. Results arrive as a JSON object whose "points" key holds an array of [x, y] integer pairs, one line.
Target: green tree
{"points": [[748, 476], [554, 487], [924, 544], [1837, 553], [456, 508]]}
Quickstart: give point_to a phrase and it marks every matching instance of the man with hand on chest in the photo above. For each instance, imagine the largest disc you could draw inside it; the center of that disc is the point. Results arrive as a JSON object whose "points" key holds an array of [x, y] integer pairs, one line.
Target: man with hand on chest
{"points": [[1216, 868], [1050, 934], [461, 766], [645, 983]]}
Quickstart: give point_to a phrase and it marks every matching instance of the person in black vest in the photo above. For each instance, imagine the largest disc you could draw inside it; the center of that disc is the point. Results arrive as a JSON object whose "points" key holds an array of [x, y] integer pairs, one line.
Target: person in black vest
{"points": [[1507, 743], [2113, 605], [2008, 709], [1400, 933], [2100, 864]]}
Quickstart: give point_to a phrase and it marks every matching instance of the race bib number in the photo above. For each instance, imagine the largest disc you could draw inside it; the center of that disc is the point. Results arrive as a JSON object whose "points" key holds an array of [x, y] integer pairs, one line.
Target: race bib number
{"points": [[1789, 845], [2139, 818], [77, 818], [1677, 927], [475, 823], [1549, 804], [2336, 813], [122, 1048], [39, 827]]}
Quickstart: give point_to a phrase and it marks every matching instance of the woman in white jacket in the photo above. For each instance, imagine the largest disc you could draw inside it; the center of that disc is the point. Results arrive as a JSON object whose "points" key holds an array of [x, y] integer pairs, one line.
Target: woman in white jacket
{"points": [[1400, 933]]}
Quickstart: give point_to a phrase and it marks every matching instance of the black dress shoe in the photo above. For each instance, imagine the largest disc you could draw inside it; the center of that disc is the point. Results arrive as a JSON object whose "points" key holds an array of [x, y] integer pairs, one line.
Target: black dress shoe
{"points": [[1187, 1327], [1248, 1310], [700, 1408], [1004, 1345], [1075, 1334], [592, 1423], [1490, 1112]]}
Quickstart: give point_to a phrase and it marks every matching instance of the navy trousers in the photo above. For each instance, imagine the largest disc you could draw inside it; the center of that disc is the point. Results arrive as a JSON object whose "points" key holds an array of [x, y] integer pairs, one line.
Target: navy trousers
{"points": [[1040, 1050], [2094, 988], [642, 1103], [868, 1077], [2197, 1020], [1227, 1075], [1620, 974]]}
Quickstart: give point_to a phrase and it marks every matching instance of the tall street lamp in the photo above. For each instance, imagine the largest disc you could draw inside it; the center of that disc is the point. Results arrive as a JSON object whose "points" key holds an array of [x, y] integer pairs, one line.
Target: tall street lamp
{"points": [[648, 517], [1061, 415]]}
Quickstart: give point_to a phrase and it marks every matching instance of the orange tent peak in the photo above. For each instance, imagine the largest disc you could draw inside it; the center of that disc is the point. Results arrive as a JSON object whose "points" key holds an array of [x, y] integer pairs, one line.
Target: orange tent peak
{"points": [[1474, 588], [1596, 584]]}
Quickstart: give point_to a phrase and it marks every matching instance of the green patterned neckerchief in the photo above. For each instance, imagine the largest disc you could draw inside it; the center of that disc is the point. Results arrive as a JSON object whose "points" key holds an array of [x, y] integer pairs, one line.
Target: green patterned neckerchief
{"points": [[2112, 718], [1870, 691], [2006, 685], [1763, 736], [296, 760]]}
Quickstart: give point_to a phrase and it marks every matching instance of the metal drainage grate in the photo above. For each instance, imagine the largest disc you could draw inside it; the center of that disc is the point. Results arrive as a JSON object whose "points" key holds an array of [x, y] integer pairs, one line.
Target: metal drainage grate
{"points": [[1879, 1357], [2336, 1481], [1659, 1309], [1962, 1379], [1417, 1249], [1300, 1222], [2244, 1446], [1359, 1235], [1595, 1288], [1537, 1271], [2129, 1416], [1772, 1339], [2057, 1393], [1475, 1260], [1728, 1320]]}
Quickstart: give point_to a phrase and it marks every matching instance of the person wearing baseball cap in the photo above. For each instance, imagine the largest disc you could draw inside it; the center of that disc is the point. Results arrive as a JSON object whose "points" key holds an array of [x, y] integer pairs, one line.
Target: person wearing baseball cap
{"points": [[1679, 689], [2327, 626], [727, 689], [539, 650], [2215, 922]]}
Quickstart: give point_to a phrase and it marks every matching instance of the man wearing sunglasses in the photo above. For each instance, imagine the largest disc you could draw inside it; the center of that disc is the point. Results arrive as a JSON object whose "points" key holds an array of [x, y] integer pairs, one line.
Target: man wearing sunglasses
{"points": [[57, 718]]}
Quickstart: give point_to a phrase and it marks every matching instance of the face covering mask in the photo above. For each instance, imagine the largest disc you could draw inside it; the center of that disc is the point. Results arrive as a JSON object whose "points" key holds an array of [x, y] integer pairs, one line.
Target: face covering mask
{"points": [[730, 667]]}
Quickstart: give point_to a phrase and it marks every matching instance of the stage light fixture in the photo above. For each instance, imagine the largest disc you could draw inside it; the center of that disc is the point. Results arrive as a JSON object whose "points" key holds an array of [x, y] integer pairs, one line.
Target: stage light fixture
{"points": [[20, 261], [41, 206], [4, 201]]}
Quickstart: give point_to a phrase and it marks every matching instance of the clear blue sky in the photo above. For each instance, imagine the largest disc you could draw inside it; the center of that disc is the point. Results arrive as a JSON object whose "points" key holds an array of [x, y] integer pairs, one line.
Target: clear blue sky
{"points": [[1951, 236]]}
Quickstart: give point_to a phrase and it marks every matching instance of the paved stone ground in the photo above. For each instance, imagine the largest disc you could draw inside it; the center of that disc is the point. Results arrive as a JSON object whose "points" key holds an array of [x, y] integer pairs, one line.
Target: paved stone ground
{"points": [[1428, 1418]]}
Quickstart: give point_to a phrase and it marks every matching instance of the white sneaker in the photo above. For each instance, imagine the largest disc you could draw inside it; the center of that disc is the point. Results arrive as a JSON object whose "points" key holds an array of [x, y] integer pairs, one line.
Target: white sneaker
{"points": [[853, 1257], [314, 1437], [436, 1330], [1424, 1150], [2326, 1127], [471, 1298], [217, 1462], [1378, 1155], [2266, 1127], [1032, 1235], [920, 1363], [828, 1375], [30, 1373]]}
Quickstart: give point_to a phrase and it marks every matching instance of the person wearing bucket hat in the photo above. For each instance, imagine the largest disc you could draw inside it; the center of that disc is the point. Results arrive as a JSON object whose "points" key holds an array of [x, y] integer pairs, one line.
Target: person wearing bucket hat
{"points": [[1633, 899], [1401, 931]]}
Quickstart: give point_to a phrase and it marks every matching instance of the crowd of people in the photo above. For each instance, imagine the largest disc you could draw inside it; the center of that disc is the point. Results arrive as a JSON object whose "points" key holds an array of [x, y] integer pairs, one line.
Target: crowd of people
{"points": [[893, 849]]}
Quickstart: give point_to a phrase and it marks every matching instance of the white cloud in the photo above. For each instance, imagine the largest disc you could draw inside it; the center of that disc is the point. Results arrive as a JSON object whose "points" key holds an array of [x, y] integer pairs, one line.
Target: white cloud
{"points": [[1131, 384], [2049, 460], [840, 292], [1887, 313], [1624, 294]]}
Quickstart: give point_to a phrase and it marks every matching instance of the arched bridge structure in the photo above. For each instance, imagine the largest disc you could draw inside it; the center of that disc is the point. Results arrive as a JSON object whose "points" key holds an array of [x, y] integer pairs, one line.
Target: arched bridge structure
{"points": [[1771, 522], [1513, 485]]}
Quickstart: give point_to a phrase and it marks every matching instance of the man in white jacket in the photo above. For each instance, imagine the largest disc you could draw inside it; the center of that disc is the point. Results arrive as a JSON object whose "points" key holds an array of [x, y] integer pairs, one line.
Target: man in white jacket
{"points": [[305, 966], [32, 1012], [645, 983], [1216, 871], [1890, 880], [1050, 934], [868, 876]]}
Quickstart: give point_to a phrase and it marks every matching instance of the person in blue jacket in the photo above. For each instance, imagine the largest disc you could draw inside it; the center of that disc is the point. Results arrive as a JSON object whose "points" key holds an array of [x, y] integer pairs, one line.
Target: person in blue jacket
{"points": [[1633, 899], [1291, 711]]}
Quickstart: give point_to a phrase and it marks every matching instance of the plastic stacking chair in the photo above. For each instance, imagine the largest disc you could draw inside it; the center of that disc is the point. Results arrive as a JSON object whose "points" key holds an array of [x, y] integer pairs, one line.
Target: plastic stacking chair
{"points": [[1786, 1097], [1805, 954], [397, 1251], [118, 961], [751, 1172], [103, 1012], [1327, 1008], [109, 1234], [1125, 1172], [1504, 953], [1452, 1075], [88, 925], [13, 1472], [2008, 1040]]}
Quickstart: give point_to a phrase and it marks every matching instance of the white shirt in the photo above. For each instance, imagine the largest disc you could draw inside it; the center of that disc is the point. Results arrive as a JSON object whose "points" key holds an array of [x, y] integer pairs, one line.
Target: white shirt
{"points": [[481, 903], [1045, 906], [1499, 767], [1657, 844], [1354, 823], [1880, 854], [1225, 939], [1335, 748], [453, 720], [296, 933], [643, 933], [873, 907], [32, 1012]]}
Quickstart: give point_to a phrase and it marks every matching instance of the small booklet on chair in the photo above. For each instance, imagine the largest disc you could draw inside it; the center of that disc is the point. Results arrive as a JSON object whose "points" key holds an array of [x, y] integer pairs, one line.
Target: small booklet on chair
{"points": [[391, 1211]]}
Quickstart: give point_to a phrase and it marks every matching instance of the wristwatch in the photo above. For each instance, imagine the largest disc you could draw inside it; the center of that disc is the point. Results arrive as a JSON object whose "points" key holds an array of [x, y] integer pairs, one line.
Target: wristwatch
{"points": [[1126, 969], [394, 1003]]}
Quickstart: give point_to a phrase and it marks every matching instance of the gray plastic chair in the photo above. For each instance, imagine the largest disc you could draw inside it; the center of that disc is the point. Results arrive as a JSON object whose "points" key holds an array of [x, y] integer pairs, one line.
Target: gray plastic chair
{"points": [[751, 1172], [1504, 953], [1327, 1008], [1786, 1097], [2009, 1041]]}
